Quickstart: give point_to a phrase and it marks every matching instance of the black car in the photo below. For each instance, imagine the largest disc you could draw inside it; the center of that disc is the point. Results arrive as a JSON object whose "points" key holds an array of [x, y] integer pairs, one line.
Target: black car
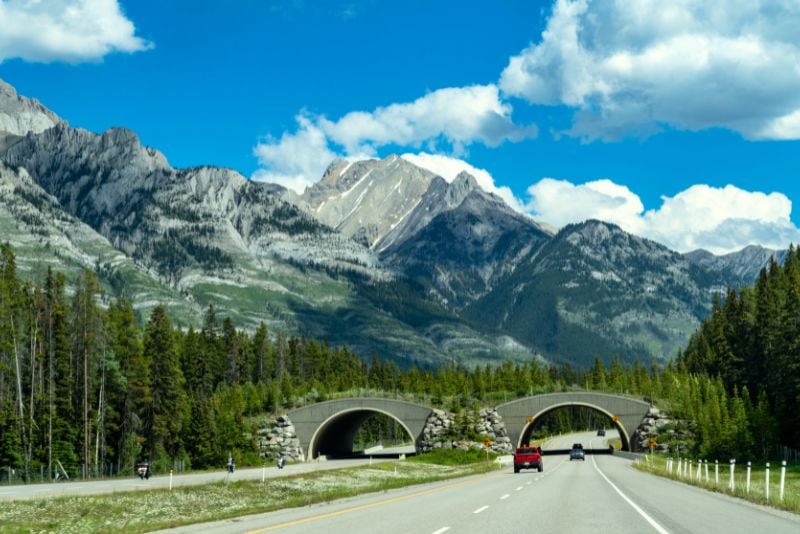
{"points": [[577, 453], [601, 432]]}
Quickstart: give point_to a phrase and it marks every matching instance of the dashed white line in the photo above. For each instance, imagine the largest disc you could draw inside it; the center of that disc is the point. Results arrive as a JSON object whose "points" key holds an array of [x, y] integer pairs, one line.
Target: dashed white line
{"points": [[443, 529], [519, 488], [642, 513], [506, 496], [528, 483], [481, 509]]}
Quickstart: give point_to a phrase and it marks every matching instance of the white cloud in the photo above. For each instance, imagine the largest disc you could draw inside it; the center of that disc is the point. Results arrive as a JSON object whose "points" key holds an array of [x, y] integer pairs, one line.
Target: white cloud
{"points": [[296, 160], [628, 67], [448, 168], [717, 219], [448, 119], [65, 30]]}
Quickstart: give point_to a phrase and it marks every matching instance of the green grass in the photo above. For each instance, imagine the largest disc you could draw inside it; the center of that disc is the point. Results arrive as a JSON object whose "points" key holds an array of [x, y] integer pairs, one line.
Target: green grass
{"points": [[657, 465], [143, 511], [453, 457]]}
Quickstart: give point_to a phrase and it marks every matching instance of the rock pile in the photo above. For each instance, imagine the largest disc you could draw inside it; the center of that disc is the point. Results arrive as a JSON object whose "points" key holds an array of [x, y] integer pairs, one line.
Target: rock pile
{"points": [[277, 436], [443, 432], [662, 427]]}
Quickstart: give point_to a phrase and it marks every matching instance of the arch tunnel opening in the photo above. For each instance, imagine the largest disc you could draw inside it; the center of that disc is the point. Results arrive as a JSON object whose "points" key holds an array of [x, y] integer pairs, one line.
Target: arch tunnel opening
{"points": [[576, 418], [362, 432]]}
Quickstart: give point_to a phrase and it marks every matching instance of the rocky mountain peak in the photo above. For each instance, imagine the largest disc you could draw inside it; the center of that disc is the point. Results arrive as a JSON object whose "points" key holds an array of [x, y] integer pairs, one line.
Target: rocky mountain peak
{"points": [[20, 115]]}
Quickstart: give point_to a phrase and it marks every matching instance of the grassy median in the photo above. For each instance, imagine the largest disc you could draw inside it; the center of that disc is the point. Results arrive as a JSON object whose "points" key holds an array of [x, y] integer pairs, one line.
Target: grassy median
{"points": [[657, 465], [142, 511]]}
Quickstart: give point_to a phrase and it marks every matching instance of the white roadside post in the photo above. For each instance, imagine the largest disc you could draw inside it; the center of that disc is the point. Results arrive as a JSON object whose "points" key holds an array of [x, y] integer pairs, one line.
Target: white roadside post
{"points": [[263, 474], [716, 472], [783, 476], [680, 466], [669, 465], [766, 481], [170, 479], [747, 488], [690, 470], [706, 462], [699, 470], [733, 466]]}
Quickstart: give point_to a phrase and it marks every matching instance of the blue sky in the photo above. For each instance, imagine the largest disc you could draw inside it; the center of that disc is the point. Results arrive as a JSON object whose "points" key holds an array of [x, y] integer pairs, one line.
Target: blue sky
{"points": [[634, 112]]}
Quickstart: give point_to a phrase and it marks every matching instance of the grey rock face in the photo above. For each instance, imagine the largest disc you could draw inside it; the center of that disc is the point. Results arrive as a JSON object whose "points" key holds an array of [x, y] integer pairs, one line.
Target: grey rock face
{"points": [[740, 267], [20, 115], [367, 198]]}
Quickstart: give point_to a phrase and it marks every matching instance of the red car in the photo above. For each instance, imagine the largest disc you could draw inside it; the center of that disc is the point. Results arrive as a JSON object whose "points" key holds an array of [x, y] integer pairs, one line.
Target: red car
{"points": [[528, 457]]}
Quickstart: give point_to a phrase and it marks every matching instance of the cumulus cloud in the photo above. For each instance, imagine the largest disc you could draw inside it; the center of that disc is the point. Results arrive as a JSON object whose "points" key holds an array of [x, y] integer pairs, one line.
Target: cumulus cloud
{"points": [[631, 67], [448, 168], [448, 119], [717, 219], [65, 30]]}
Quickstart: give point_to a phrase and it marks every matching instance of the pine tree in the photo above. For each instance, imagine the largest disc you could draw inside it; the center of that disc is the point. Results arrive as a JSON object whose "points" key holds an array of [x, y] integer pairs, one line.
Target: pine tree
{"points": [[169, 403]]}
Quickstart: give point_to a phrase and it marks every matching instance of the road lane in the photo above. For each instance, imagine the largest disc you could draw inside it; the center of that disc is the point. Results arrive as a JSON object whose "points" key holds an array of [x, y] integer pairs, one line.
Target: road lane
{"points": [[568, 497], [115, 485]]}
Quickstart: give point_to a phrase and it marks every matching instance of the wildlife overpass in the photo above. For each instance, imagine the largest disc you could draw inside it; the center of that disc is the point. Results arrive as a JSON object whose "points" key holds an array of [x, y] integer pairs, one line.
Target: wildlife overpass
{"points": [[330, 427]]}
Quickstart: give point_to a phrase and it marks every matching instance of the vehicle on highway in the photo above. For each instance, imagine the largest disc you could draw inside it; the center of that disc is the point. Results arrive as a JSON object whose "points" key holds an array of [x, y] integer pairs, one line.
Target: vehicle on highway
{"points": [[281, 461], [577, 453], [231, 467], [601, 432], [528, 457], [143, 470]]}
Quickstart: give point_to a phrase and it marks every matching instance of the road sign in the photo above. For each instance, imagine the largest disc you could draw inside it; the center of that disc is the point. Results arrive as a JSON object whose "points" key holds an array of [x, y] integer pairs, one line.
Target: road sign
{"points": [[487, 441], [651, 443], [530, 419], [615, 418]]}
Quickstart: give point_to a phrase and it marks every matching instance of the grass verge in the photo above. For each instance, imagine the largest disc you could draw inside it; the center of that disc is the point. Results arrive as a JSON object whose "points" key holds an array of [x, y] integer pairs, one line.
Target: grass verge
{"points": [[143, 511], [657, 465]]}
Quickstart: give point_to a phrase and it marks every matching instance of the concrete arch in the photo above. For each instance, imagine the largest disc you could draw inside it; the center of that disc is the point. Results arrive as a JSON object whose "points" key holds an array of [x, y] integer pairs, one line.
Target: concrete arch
{"points": [[625, 413], [330, 427]]}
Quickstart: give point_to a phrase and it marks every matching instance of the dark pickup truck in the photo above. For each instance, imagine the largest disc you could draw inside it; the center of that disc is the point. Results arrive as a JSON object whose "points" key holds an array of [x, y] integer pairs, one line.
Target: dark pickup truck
{"points": [[528, 458]]}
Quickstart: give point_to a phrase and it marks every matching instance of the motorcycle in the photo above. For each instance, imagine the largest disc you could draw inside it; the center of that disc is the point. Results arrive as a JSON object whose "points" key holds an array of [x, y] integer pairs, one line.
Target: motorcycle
{"points": [[143, 470], [231, 465], [281, 461]]}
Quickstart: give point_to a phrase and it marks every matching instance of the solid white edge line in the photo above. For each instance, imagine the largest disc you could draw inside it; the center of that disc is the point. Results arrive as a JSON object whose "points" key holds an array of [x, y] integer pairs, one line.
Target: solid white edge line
{"points": [[481, 509], [641, 512], [506, 496], [443, 529]]}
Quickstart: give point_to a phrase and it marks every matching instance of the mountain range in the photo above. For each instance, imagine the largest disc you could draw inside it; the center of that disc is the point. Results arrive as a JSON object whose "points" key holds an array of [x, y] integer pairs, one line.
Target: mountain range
{"points": [[382, 255]]}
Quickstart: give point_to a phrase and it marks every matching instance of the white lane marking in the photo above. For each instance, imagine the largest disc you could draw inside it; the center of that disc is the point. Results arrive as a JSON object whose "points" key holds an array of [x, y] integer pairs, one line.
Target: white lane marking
{"points": [[528, 483], [659, 528], [481, 509], [519, 488], [506, 496], [443, 529]]}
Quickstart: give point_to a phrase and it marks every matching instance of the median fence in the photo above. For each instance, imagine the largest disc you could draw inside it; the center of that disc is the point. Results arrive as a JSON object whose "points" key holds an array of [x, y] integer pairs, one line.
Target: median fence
{"points": [[772, 483]]}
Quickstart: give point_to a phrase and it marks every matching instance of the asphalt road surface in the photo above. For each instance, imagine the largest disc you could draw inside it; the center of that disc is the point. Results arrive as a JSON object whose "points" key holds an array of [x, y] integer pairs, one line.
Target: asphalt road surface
{"points": [[601, 494], [95, 487]]}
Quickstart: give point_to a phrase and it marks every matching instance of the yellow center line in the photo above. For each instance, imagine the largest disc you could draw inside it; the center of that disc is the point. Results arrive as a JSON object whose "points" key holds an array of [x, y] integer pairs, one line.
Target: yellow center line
{"points": [[359, 508]]}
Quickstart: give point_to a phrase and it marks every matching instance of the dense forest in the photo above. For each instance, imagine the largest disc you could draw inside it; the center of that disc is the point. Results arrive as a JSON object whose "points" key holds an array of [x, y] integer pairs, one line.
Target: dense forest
{"points": [[87, 390], [751, 342]]}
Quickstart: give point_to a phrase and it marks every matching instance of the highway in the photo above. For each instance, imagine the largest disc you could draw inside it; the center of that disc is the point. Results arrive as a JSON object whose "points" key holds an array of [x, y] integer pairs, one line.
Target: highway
{"points": [[601, 494], [114, 485]]}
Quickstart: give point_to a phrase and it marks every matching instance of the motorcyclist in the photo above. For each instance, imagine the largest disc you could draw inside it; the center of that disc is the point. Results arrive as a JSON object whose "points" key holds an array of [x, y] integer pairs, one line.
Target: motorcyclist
{"points": [[281, 461], [143, 470], [231, 465]]}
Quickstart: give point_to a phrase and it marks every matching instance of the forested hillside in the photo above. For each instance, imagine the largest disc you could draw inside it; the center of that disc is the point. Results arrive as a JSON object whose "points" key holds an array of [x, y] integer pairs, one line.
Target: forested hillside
{"points": [[83, 385], [752, 340]]}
